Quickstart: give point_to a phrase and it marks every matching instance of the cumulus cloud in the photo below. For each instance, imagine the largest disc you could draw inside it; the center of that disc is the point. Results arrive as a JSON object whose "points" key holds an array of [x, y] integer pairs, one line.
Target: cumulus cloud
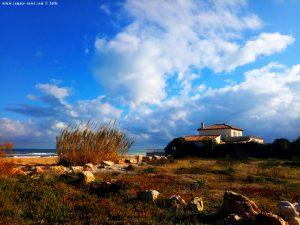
{"points": [[266, 103], [168, 39], [56, 114]]}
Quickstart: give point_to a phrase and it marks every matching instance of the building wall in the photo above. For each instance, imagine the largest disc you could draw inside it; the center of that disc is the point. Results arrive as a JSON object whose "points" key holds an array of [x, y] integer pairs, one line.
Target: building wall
{"points": [[261, 141], [236, 133], [222, 132]]}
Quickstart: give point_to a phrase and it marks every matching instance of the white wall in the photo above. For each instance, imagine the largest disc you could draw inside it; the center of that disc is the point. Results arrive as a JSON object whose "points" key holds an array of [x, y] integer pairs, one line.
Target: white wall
{"points": [[222, 132]]}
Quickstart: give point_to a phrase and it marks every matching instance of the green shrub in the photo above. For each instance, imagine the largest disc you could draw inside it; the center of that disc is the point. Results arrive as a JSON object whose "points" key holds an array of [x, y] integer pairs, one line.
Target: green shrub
{"points": [[87, 144]]}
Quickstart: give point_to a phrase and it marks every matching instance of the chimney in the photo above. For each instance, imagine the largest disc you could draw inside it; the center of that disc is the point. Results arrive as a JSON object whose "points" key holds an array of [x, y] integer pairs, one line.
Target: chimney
{"points": [[202, 125]]}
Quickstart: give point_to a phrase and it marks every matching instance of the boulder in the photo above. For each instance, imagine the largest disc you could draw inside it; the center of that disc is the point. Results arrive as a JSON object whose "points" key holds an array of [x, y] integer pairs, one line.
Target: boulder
{"points": [[156, 157], [196, 205], [131, 161], [176, 202], [147, 159], [120, 161], [139, 158], [76, 169], [86, 177], [294, 221], [107, 163], [148, 195], [58, 169], [88, 167], [239, 204], [268, 219], [297, 207], [38, 169], [287, 210]]}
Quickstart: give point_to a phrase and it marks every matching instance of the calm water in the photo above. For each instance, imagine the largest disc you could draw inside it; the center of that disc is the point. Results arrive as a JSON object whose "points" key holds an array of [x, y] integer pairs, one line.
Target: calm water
{"points": [[52, 152]]}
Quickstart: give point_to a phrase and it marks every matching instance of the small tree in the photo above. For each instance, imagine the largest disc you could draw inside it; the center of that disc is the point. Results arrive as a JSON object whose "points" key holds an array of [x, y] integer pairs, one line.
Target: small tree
{"points": [[7, 145], [86, 143]]}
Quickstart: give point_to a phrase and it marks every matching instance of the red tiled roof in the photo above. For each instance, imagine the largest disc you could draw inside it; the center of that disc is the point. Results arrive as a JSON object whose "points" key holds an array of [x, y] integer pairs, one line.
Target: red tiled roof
{"points": [[200, 138], [220, 127]]}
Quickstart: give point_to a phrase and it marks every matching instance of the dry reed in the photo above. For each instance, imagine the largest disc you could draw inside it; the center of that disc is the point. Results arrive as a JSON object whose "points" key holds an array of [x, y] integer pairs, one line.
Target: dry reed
{"points": [[86, 143]]}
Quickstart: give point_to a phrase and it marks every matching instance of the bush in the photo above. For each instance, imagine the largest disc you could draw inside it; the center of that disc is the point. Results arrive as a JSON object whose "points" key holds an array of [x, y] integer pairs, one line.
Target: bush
{"points": [[85, 144], [7, 145]]}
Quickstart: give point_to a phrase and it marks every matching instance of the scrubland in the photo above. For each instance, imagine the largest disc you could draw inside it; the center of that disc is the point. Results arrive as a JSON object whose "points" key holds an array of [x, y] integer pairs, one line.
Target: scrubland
{"points": [[56, 199]]}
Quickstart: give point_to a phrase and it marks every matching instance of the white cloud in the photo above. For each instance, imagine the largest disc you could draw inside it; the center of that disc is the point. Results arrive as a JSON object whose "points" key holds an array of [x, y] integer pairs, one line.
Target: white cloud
{"points": [[55, 115], [266, 103], [52, 89], [166, 39], [265, 44]]}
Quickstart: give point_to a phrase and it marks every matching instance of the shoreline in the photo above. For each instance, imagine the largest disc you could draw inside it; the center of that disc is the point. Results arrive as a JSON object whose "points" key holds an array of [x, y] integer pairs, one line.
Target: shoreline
{"points": [[48, 160]]}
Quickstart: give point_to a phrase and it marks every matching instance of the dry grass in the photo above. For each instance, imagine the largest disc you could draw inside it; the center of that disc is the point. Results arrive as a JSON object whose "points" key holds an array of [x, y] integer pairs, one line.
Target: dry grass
{"points": [[86, 143], [57, 200]]}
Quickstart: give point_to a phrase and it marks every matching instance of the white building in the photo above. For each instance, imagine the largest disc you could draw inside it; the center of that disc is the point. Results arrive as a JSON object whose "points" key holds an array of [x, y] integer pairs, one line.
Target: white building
{"points": [[223, 133], [220, 129]]}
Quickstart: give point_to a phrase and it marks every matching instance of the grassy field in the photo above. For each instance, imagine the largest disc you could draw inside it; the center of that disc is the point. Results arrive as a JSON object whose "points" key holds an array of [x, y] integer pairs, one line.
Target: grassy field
{"points": [[54, 199]]}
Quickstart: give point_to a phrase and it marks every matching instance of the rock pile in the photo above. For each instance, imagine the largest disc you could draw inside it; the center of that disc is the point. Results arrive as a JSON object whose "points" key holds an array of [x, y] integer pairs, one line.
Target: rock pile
{"points": [[243, 209]]}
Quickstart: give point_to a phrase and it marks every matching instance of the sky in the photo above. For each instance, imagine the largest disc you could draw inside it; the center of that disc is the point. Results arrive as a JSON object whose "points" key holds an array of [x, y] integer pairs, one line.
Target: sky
{"points": [[158, 67]]}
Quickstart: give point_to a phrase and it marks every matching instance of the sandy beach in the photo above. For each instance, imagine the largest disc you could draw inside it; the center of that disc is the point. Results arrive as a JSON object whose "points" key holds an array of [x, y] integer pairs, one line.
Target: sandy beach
{"points": [[32, 160]]}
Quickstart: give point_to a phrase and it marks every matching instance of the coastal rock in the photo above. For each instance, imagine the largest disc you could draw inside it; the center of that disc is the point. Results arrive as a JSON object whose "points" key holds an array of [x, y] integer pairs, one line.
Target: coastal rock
{"points": [[147, 159], [156, 157], [176, 202], [131, 161], [294, 221], [239, 204], [107, 163], [297, 207], [148, 195], [120, 161], [287, 210], [88, 167], [38, 169], [196, 205], [58, 169], [163, 158], [268, 219], [36, 176], [139, 158], [86, 177], [76, 169]]}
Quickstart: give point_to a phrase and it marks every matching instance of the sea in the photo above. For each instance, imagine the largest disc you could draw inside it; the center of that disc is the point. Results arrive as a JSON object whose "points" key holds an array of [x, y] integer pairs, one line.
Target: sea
{"points": [[18, 153]]}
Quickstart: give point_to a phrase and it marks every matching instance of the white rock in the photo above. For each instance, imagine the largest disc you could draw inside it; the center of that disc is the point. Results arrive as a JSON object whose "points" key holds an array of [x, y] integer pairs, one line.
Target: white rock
{"points": [[88, 167], [87, 177], [131, 161], [297, 207], [107, 163], [175, 201], [148, 195], [76, 169], [287, 210], [156, 157], [196, 204]]}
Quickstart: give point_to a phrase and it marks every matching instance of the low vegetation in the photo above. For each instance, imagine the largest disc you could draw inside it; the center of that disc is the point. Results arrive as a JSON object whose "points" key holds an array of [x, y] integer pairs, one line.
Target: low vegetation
{"points": [[54, 199], [86, 143], [281, 148]]}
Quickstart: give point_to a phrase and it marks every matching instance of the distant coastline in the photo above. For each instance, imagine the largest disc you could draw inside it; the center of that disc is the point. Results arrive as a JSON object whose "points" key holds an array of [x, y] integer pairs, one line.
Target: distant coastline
{"points": [[29, 153]]}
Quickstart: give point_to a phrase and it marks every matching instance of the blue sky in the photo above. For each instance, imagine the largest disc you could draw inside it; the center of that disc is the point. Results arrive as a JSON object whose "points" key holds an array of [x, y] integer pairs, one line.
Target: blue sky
{"points": [[157, 67]]}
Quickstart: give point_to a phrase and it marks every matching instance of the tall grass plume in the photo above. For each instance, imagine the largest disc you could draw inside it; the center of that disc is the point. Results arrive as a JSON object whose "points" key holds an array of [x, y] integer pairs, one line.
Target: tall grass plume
{"points": [[86, 143]]}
